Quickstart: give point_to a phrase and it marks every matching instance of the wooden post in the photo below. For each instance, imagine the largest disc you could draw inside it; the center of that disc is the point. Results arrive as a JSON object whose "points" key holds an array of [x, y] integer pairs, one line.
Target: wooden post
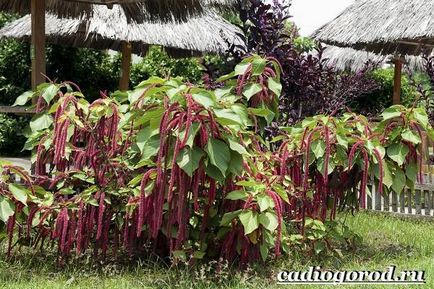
{"points": [[386, 202], [377, 198], [402, 202], [124, 82], [397, 81], [37, 48], [417, 201], [427, 203], [394, 202]]}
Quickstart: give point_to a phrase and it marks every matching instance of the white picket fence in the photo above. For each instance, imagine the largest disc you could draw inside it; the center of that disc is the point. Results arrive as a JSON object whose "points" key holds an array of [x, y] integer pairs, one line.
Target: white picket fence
{"points": [[419, 202]]}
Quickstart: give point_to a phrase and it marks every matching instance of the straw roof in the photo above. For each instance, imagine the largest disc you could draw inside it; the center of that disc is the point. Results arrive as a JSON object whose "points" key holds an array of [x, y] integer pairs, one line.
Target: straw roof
{"points": [[350, 59], [167, 10], [383, 26], [345, 58], [107, 28]]}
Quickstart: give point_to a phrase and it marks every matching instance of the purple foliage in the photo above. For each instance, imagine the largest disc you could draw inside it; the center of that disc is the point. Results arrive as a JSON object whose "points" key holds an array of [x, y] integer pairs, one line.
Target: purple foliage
{"points": [[309, 86], [429, 68], [427, 94]]}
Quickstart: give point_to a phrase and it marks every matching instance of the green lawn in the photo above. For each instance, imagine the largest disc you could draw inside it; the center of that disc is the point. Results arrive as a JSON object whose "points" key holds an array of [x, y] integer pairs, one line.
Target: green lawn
{"points": [[407, 244]]}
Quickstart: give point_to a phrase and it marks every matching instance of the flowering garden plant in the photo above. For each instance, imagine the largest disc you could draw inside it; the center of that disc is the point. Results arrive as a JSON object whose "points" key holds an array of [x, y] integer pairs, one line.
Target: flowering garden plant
{"points": [[179, 170]]}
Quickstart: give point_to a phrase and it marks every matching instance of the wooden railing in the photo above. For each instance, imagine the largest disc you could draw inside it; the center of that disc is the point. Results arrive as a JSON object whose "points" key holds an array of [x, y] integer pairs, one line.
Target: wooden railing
{"points": [[17, 110], [419, 202], [415, 203]]}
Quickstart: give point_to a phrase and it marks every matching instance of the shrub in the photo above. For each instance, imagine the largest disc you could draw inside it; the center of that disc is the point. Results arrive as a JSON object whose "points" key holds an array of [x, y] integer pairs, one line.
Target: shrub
{"points": [[11, 134], [111, 162], [89, 67], [158, 63], [178, 170], [14, 70], [426, 87], [376, 101]]}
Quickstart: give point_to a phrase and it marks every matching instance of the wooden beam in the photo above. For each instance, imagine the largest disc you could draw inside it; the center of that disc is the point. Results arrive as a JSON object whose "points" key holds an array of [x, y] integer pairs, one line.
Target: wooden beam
{"points": [[397, 81], [419, 43], [124, 81], [37, 48], [17, 110]]}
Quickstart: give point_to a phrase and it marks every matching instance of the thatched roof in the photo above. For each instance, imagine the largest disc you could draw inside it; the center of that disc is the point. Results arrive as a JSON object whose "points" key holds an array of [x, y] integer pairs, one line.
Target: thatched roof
{"points": [[135, 10], [107, 28], [344, 58], [383, 26]]}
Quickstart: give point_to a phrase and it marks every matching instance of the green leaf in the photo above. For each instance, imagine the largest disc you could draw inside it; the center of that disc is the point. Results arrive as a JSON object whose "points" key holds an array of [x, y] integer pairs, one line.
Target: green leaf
{"points": [[269, 221], [7, 209], [188, 159], [214, 172], [241, 68], [247, 183], [320, 166], [265, 202], [40, 122], [219, 154], [399, 180], [191, 134], [251, 89], [250, 221], [390, 113], [263, 112], [50, 92], [235, 146], [242, 112], [19, 192], [236, 164], [237, 195], [176, 91], [421, 116], [144, 135], [263, 248], [136, 180], [151, 80], [398, 153], [275, 86], [23, 98], [282, 193], [410, 136], [258, 65], [318, 148], [387, 175], [342, 140], [411, 172], [221, 92], [135, 94], [151, 147], [205, 98], [228, 217], [226, 77], [228, 117], [150, 115]]}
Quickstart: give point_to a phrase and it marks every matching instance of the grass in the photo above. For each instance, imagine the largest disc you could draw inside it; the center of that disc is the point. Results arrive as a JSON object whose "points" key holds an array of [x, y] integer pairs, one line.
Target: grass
{"points": [[408, 244]]}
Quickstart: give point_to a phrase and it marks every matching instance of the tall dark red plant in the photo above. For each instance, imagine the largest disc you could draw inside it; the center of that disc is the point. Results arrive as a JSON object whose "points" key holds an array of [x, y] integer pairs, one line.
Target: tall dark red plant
{"points": [[309, 86]]}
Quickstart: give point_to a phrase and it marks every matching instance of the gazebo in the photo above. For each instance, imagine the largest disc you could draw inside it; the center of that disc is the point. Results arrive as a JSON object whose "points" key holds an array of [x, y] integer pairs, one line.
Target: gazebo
{"points": [[386, 27], [135, 11], [110, 29]]}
